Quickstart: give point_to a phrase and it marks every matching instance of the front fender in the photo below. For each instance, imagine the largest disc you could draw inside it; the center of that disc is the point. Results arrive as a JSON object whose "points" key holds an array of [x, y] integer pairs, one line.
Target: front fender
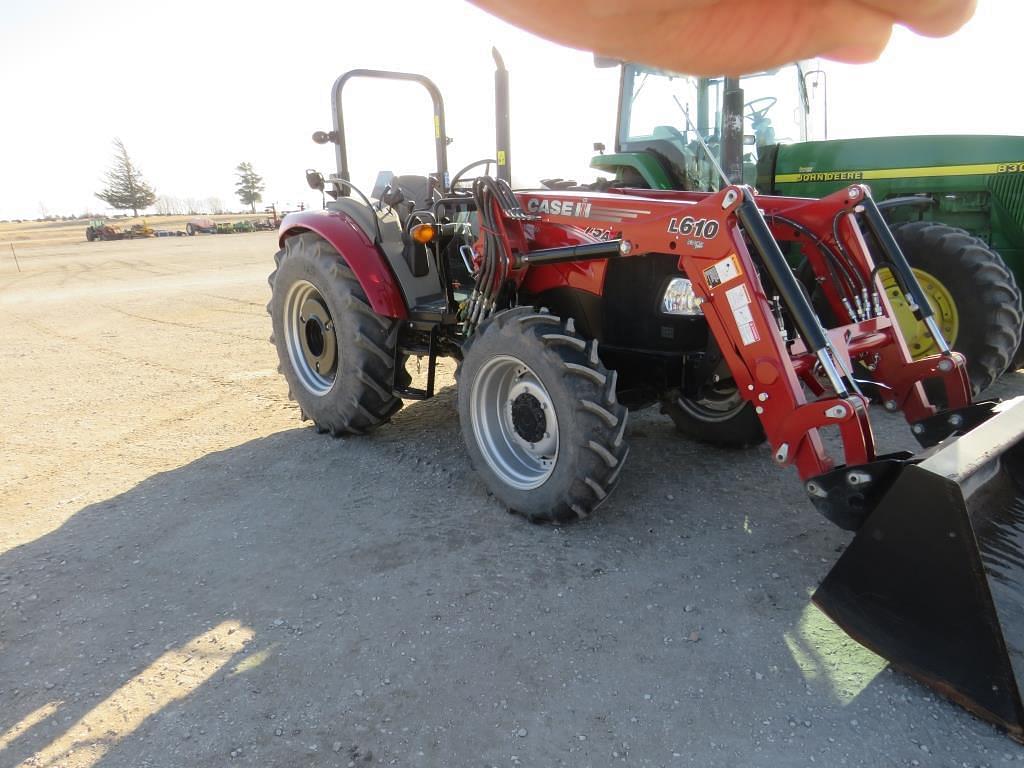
{"points": [[362, 256]]}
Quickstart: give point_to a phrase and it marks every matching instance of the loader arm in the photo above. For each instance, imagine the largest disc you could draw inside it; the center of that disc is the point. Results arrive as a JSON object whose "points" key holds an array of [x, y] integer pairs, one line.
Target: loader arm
{"points": [[710, 232]]}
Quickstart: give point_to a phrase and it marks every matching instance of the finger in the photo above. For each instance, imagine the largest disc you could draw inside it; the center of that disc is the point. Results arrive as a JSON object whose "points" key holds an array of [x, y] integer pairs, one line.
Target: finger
{"points": [[703, 37], [857, 54], [934, 18]]}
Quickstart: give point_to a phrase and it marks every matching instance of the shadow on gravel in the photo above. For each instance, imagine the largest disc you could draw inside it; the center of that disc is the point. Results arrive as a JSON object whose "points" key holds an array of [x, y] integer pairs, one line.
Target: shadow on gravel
{"points": [[298, 600]]}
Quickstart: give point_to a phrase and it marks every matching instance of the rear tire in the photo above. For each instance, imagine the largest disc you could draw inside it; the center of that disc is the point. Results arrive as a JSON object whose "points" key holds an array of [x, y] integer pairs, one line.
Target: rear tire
{"points": [[190, 229], [721, 418], [335, 352], [539, 416], [987, 299]]}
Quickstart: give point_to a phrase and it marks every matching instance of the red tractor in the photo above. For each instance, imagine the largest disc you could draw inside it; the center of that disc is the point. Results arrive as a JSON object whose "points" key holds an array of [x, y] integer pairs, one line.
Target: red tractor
{"points": [[565, 307]]}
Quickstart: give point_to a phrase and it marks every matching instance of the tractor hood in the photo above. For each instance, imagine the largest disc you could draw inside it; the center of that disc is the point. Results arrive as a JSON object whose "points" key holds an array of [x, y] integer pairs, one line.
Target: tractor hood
{"points": [[820, 165]]}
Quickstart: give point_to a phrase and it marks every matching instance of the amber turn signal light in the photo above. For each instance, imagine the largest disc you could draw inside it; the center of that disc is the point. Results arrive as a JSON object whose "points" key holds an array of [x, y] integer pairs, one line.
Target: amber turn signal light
{"points": [[423, 233]]}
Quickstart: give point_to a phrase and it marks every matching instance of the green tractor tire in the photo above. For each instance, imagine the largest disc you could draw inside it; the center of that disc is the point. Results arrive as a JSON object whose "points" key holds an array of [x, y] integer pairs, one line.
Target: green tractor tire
{"points": [[975, 298]]}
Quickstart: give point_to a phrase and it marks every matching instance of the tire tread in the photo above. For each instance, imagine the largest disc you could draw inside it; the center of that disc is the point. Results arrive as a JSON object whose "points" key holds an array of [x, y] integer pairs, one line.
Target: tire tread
{"points": [[593, 417], [994, 313]]}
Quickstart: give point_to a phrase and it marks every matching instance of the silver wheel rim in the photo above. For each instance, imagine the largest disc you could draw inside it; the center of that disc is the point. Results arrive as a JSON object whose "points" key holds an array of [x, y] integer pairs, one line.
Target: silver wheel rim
{"points": [[721, 404], [514, 423], [310, 337]]}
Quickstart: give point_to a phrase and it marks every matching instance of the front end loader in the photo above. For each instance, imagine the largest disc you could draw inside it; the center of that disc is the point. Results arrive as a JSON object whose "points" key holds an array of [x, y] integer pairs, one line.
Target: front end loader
{"points": [[566, 307]]}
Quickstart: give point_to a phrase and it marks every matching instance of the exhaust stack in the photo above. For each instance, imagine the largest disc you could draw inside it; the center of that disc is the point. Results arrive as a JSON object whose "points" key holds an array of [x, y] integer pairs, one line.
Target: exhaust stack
{"points": [[502, 120]]}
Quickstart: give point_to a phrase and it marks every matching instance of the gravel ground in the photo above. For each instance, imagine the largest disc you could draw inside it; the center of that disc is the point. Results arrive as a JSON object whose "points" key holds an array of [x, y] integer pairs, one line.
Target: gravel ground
{"points": [[188, 577]]}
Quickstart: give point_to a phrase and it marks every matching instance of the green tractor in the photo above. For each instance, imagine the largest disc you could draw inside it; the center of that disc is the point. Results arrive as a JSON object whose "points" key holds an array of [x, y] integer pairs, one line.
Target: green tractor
{"points": [[954, 203]]}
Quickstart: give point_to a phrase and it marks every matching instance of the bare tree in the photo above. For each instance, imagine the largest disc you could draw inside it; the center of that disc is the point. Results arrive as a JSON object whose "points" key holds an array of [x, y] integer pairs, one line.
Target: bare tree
{"points": [[167, 205], [215, 205]]}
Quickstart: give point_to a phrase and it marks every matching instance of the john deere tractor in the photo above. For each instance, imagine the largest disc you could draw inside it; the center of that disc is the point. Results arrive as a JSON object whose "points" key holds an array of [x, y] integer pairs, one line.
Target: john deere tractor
{"points": [[955, 203]]}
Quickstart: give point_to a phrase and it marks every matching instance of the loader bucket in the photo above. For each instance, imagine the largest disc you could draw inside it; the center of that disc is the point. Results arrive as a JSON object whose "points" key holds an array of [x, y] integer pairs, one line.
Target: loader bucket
{"points": [[934, 579]]}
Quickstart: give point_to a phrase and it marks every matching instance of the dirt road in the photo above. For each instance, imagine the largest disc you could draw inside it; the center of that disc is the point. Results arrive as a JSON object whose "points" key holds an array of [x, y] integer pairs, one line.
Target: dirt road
{"points": [[188, 577]]}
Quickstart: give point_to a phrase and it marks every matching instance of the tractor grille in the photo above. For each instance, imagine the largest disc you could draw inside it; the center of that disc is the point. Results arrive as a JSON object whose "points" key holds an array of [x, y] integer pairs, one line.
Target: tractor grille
{"points": [[1008, 189]]}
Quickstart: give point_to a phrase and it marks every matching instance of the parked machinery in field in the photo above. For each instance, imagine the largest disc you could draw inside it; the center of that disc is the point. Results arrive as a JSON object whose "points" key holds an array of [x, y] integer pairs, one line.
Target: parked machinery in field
{"points": [[101, 230]]}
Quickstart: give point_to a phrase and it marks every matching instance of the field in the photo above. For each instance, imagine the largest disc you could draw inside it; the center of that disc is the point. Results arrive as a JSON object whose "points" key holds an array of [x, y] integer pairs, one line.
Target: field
{"points": [[189, 576]]}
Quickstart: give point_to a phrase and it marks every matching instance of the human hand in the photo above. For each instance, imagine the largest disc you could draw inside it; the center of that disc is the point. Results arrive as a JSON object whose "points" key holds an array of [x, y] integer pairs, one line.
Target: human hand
{"points": [[733, 37]]}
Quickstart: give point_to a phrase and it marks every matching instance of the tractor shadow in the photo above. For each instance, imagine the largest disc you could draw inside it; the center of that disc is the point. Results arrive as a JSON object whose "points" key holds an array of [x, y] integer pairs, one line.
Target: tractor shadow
{"points": [[383, 604]]}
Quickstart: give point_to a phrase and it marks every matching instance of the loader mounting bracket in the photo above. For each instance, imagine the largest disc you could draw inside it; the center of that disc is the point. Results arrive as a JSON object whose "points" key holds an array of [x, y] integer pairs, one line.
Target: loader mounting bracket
{"points": [[958, 421], [848, 494]]}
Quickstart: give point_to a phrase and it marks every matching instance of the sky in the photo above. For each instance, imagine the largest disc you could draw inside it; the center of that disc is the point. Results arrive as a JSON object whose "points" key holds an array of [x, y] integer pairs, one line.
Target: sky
{"points": [[194, 88]]}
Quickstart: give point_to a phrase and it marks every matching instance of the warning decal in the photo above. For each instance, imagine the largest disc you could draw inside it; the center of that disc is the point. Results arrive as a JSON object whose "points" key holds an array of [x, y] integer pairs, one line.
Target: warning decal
{"points": [[722, 272], [748, 332], [738, 297], [739, 302]]}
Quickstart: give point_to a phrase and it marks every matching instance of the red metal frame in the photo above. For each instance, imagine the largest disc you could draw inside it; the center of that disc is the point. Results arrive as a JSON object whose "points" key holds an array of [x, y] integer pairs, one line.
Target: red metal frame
{"points": [[771, 374], [363, 257], [582, 275]]}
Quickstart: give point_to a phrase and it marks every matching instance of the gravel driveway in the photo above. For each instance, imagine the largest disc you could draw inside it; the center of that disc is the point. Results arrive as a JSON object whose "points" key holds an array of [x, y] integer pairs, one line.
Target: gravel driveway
{"points": [[189, 577]]}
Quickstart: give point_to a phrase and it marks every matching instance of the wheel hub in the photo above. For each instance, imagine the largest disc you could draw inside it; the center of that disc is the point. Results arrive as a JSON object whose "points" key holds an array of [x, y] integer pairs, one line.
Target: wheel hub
{"points": [[528, 405], [319, 346], [514, 422], [717, 403], [919, 340], [311, 337]]}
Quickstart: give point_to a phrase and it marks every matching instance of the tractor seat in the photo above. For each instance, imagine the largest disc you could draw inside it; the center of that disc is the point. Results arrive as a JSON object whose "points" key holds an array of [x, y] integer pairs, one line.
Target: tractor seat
{"points": [[415, 189]]}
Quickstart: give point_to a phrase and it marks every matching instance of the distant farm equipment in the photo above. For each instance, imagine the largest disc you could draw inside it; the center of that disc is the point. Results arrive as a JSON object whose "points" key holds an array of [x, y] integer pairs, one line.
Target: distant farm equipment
{"points": [[206, 225], [202, 224], [101, 230]]}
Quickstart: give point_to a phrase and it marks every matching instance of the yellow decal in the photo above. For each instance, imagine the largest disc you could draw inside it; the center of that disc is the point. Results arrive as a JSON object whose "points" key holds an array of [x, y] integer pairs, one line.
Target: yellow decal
{"points": [[437, 126], [501, 157], [902, 173]]}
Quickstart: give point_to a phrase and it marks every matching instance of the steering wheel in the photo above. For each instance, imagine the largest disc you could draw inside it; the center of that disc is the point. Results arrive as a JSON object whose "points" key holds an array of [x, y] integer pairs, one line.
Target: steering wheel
{"points": [[462, 172], [757, 114]]}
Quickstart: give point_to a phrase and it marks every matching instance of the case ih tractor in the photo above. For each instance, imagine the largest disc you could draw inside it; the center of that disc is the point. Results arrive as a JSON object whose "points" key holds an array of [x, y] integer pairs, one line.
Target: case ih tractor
{"points": [[955, 203], [565, 306]]}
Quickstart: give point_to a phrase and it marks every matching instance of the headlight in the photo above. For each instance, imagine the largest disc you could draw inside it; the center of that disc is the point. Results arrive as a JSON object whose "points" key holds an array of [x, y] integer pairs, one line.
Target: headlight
{"points": [[679, 298]]}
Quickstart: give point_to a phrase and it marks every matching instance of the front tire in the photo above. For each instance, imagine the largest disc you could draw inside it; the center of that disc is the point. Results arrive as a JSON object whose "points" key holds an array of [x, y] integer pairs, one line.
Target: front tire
{"points": [[335, 352], [720, 417], [973, 293], [539, 416]]}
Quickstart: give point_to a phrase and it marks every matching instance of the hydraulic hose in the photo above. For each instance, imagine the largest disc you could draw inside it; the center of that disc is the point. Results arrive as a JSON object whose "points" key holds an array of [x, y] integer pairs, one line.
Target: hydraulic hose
{"points": [[842, 279]]}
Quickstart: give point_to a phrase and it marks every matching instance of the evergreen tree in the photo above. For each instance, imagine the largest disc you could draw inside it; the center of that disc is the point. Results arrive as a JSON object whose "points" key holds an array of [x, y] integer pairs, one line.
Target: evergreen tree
{"points": [[125, 187], [249, 186]]}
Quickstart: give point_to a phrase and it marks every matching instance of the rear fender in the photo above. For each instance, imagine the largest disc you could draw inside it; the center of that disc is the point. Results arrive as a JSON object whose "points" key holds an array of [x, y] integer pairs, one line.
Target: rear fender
{"points": [[363, 257]]}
